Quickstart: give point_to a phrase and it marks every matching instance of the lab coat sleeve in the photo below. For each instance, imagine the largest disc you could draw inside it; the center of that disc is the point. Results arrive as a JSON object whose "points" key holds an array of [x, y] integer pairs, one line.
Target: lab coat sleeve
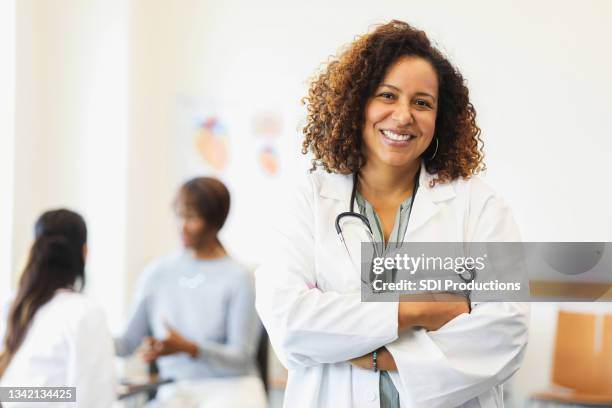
{"points": [[233, 357], [137, 326], [308, 326], [91, 361], [473, 352]]}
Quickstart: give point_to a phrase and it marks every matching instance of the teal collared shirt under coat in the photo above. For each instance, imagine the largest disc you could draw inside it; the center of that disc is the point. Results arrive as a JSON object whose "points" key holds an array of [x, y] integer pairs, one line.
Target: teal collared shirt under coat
{"points": [[389, 397]]}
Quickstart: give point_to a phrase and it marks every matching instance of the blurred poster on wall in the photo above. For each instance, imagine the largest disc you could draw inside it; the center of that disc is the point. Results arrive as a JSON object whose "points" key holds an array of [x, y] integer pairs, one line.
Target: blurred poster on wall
{"points": [[254, 150]]}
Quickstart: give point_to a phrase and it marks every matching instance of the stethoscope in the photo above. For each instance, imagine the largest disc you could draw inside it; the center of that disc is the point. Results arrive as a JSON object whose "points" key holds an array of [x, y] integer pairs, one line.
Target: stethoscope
{"points": [[351, 212], [467, 276]]}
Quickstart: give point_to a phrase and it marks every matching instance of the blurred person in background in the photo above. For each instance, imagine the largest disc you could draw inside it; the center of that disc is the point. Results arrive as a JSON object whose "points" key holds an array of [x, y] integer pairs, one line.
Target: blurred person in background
{"points": [[194, 310], [56, 336]]}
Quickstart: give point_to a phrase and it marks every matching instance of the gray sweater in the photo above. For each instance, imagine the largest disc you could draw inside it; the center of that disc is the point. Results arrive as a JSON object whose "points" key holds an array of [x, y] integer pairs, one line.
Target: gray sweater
{"points": [[209, 302]]}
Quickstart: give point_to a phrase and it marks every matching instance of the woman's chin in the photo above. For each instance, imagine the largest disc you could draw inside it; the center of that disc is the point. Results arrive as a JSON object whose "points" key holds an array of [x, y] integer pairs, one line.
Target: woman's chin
{"points": [[400, 162]]}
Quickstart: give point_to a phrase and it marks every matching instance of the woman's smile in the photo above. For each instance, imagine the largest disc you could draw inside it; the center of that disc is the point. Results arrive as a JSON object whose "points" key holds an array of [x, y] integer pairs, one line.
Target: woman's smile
{"points": [[397, 138]]}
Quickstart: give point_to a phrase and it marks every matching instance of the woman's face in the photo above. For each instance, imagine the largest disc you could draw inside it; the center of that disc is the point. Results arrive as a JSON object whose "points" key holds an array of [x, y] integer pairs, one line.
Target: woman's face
{"points": [[400, 117], [191, 226]]}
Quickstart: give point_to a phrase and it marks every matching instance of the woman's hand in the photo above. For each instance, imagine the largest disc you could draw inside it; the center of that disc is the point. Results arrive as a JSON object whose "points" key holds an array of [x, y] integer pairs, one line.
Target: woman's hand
{"points": [[384, 361], [363, 361], [146, 349], [431, 311], [173, 343]]}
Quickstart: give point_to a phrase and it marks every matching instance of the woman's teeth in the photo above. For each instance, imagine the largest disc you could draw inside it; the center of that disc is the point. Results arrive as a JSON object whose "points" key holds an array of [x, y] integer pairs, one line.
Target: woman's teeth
{"points": [[396, 136]]}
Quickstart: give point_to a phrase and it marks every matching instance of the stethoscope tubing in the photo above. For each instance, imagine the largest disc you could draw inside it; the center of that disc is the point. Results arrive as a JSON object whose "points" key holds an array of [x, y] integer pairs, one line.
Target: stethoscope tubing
{"points": [[362, 218]]}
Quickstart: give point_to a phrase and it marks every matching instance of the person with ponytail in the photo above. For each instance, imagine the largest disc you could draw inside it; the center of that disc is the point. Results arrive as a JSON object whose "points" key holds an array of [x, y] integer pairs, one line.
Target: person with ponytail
{"points": [[56, 336], [194, 310]]}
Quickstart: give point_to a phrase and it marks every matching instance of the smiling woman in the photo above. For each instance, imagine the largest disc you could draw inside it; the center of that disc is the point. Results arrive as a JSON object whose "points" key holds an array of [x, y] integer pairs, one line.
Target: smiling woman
{"points": [[372, 71], [391, 124]]}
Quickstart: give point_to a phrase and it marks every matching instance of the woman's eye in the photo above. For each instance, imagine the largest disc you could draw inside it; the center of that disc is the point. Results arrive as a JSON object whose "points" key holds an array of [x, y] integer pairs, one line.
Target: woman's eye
{"points": [[423, 103], [386, 95]]}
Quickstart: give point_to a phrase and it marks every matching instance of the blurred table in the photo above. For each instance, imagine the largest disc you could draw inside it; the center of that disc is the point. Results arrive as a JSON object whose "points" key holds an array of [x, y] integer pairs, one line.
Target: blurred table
{"points": [[231, 392], [149, 385]]}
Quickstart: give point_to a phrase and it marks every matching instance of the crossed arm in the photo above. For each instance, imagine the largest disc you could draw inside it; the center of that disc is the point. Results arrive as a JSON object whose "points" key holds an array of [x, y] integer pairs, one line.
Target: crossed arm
{"points": [[431, 315]]}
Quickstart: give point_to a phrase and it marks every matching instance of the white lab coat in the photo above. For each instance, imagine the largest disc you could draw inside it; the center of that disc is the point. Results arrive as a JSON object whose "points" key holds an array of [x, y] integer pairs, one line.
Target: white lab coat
{"points": [[308, 297], [67, 345]]}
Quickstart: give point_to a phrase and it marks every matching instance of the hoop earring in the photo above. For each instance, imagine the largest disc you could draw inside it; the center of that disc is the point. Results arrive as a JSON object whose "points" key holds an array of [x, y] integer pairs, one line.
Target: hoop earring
{"points": [[435, 151]]}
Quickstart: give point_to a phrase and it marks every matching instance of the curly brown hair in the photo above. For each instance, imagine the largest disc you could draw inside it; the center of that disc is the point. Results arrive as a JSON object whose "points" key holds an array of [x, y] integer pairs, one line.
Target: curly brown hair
{"points": [[338, 95]]}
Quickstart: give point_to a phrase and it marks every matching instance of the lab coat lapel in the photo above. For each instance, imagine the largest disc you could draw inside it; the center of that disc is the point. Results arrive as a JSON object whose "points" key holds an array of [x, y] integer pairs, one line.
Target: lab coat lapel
{"points": [[338, 187], [427, 201], [424, 209], [334, 194]]}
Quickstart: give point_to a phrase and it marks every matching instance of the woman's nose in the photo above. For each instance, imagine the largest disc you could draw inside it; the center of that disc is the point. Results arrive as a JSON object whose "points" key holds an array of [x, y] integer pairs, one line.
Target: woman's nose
{"points": [[403, 114]]}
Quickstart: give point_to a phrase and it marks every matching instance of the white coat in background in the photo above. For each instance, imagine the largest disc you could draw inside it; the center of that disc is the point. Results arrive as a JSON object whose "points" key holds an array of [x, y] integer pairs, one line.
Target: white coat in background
{"points": [[67, 345], [309, 299]]}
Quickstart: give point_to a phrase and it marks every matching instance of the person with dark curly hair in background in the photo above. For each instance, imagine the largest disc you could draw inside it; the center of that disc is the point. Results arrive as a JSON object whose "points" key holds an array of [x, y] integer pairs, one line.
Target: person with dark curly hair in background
{"points": [[394, 142]]}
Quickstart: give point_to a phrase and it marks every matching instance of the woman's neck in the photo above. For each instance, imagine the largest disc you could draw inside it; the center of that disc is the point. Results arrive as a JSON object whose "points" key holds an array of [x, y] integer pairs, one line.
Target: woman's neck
{"points": [[387, 182], [210, 249]]}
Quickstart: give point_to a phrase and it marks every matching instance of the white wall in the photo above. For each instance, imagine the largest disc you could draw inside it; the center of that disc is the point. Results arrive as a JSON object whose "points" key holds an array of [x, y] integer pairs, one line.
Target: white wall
{"points": [[71, 130], [7, 139]]}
